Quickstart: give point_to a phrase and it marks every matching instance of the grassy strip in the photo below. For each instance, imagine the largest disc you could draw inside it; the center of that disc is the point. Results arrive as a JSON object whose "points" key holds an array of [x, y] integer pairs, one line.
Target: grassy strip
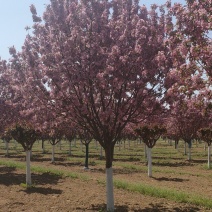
{"points": [[168, 194], [13, 164], [155, 169], [39, 169], [173, 195]]}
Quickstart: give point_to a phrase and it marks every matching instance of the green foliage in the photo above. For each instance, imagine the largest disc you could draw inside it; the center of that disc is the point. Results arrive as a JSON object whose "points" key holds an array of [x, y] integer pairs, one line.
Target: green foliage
{"points": [[26, 186], [169, 194]]}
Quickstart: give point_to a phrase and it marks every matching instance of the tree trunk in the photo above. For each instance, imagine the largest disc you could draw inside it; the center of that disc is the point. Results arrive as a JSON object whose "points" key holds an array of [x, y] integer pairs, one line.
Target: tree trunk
{"points": [[119, 146], [109, 151], [28, 171], [7, 148], [75, 142], [69, 153], [185, 150], [176, 144], [109, 189], [101, 153], [43, 147], [149, 154], [96, 144], [145, 151], [53, 150], [189, 153], [189, 150], [209, 156], [86, 156]]}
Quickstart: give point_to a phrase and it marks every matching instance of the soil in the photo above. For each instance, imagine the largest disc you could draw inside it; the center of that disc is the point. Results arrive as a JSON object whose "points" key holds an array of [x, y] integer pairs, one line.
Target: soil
{"points": [[64, 194]]}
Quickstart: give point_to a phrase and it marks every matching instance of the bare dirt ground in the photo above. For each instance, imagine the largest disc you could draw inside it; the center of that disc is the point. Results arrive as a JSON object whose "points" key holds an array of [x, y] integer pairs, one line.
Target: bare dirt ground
{"points": [[55, 193], [52, 193]]}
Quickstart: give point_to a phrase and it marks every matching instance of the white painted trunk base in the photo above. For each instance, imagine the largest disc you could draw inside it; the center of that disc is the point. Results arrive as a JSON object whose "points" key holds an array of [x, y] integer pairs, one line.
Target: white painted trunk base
{"points": [[189, 153], [209, 156], [53, 150], [109, 189], [28, 171], [149, 155]]}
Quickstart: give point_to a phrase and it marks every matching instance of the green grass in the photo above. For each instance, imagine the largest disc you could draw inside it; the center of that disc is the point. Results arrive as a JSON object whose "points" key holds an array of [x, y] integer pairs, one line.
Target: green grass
{"points": [[169, 194], [24, 185], [39, 169], [181, 197], [13, 164]]}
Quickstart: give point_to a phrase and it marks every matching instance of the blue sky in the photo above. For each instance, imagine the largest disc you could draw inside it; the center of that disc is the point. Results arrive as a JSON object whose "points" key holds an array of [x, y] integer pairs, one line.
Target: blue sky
{"points": [[16, 15]]}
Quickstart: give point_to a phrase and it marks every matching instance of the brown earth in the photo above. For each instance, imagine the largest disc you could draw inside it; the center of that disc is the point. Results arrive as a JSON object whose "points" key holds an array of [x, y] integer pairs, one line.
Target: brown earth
{"points": [[55, 193]]}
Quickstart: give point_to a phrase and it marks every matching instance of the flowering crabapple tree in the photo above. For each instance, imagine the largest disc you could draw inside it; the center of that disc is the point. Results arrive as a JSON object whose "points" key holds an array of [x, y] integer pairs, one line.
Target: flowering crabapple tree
{"points": [[55, 136], [6, 138], [97, 63], [24, 134], [206, 135], [190, 46], [188, 118], [172, 131], [70, 135], [149, 135], [85, 137], [8, 112]]}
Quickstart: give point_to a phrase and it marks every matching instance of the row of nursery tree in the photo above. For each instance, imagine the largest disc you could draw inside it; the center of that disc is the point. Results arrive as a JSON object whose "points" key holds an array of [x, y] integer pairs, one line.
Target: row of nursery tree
{"points": [[108, 70]]}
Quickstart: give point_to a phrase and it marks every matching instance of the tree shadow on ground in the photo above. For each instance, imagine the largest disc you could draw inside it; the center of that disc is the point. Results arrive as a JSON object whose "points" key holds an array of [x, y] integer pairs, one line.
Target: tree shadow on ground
{"points": [[175, 164], [102, 207], [201, 161], [41, 190], [45, 178], [7, 169], [9, 176], [158, 207], [165, 158], [118, 171], [127, 159], [69, 164], [169, 179], [46, 159], [16, 156], [151, 208]]}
